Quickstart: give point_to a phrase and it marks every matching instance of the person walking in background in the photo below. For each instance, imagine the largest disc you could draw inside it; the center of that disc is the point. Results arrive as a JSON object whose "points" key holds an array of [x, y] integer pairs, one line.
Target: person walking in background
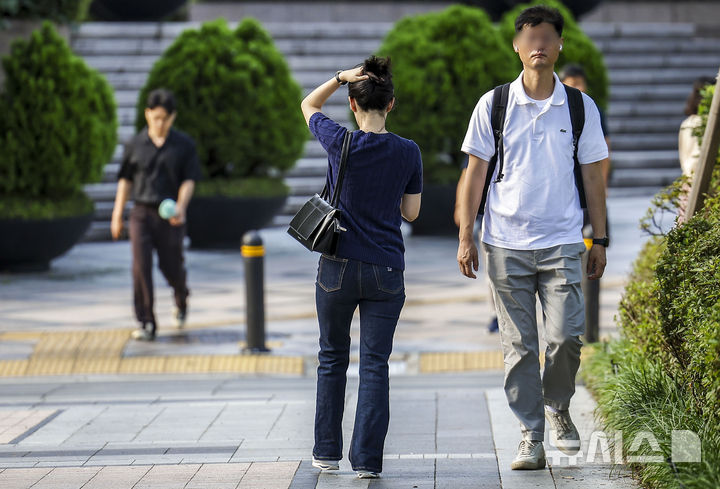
{"points": [[532, 227], [573, 75], [688, 143], [382, 184], [159, 163]]}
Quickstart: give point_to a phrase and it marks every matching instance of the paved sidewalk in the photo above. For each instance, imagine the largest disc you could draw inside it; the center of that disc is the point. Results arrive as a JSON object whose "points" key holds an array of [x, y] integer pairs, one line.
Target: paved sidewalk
{"points": [[83, 406], [452, 432], [77, 318]]}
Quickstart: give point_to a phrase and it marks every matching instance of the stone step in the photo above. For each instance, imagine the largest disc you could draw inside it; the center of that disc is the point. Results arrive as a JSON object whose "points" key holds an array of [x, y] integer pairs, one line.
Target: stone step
{"points": [[643, 141], [643, 30], [631, 109], [687, 60], [644, 159], [666, 125], [644, 76], [649, 93], [657, 177], [659, 46], [120, 63], [146, 47], [134, 81], [278, 30]]}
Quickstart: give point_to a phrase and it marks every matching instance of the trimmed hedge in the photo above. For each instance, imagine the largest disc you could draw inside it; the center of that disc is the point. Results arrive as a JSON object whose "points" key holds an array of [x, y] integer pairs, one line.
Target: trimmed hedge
{"points": [[58, 128], [236, 98], [442, 64], [577, 48]]}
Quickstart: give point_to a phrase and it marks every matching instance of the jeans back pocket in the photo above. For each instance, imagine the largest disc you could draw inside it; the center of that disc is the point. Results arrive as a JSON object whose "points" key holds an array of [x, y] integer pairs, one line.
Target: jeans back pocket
{"points": [[330, 272], [389, 280]]}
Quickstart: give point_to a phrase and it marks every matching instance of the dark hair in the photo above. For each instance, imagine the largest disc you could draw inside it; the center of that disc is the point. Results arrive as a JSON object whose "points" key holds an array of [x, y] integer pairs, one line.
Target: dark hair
{"points": [[533, 16], [377, 91], [572, 70], [161, 97], [693, 100]]}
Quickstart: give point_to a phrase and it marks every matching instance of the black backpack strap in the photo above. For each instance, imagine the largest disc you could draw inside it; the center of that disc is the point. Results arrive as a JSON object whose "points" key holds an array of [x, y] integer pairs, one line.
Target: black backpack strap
{"points": [[577, 119], [497, 121]]}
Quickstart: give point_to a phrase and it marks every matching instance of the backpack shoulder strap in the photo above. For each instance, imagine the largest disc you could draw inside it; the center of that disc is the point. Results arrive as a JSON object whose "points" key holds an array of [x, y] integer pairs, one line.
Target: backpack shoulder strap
{"points": [[577, 119], [497, 121]]}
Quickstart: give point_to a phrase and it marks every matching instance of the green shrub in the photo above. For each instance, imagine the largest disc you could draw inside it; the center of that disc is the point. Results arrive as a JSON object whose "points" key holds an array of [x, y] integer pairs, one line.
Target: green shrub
{"points": [[56, 10], [577, 48], [635, 394], [664, 372], [235, 97], [58, 128], [442, 64]]}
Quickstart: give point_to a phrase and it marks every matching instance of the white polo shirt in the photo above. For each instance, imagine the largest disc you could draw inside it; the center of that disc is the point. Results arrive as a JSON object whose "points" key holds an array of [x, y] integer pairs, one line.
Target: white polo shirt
{"points": [[537, 204]]}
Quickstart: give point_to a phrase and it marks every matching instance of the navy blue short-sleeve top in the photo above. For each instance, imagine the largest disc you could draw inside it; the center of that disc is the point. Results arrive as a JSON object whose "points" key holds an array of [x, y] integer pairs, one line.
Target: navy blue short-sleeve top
{"points": [[381, 168]]}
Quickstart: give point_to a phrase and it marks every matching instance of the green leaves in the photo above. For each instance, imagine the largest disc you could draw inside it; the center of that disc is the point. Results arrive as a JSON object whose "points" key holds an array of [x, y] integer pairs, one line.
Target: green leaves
{"points": [[59, 126], [235, 96], [442, 64]]}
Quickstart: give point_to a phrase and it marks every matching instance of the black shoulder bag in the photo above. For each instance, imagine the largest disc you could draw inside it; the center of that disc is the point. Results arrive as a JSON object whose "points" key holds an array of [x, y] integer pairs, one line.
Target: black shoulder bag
{"points": [[317, 224]]}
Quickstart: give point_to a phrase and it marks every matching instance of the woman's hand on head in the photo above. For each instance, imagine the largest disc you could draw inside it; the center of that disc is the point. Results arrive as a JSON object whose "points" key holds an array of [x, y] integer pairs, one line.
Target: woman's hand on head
{"points": [[353, 75]]}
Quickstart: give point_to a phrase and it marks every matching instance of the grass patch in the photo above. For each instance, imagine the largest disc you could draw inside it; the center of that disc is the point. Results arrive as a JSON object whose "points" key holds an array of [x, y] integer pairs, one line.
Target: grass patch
{"points": [[636, 395]]}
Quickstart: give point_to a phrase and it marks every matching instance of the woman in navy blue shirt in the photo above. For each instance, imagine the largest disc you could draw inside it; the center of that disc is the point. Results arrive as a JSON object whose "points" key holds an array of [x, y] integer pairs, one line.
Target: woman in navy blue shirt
{"points": [[382, 184]]}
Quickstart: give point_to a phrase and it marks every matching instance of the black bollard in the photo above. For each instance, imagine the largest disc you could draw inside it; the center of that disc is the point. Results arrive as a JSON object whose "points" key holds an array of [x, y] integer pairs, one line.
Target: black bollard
{"points": [[591, 292], [253, 253]]}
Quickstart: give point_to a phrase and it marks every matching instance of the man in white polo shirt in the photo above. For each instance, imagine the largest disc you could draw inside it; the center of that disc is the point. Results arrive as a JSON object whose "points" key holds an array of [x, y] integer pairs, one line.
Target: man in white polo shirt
{"points": [[532, 231]]}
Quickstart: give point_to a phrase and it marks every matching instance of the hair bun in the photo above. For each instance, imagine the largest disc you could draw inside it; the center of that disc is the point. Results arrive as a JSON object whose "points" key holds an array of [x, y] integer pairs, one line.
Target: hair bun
{"points": [[378, 69]]}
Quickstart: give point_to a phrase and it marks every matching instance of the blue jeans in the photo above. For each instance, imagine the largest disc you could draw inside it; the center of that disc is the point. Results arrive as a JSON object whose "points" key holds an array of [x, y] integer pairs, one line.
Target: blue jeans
{"points": [[343, 285]]}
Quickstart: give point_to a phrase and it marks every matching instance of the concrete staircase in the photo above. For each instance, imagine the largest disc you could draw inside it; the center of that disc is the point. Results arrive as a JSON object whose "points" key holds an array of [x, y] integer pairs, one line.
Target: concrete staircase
{"points": [[652, 67]]}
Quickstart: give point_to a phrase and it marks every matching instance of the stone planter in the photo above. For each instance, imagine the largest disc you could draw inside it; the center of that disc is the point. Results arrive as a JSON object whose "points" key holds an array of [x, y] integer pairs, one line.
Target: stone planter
{"points": [[220, 222], [436, 211], [28, 245]]}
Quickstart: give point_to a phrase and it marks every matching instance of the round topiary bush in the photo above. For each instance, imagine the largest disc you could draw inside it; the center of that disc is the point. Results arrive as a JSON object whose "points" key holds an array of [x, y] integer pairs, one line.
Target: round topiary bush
{"points": [[578, 48], [442, 64], [237, 99], [57, 131]]}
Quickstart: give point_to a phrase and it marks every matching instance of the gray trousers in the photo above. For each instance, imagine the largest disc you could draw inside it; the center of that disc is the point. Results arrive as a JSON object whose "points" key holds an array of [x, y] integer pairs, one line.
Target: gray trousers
{"points": [[554, 274]]}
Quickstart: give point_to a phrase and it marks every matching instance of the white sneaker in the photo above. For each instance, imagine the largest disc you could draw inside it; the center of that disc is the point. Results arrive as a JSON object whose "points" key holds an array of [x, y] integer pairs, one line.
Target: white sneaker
{"points": [[365, 474], [142, 335], [531, 456], [326, 464], [180, 318], [564, 434]]}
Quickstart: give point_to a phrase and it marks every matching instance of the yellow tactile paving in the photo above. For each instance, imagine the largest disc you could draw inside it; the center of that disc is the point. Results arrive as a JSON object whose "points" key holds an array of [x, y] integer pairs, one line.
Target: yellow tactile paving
{"points": [[13, 368], [20, 335], [100, 352], [464, 361]]}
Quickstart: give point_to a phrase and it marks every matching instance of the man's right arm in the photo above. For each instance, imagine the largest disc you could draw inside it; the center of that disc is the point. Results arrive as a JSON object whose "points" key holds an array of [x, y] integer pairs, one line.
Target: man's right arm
{"points": [[470, 196], [121, 197]]}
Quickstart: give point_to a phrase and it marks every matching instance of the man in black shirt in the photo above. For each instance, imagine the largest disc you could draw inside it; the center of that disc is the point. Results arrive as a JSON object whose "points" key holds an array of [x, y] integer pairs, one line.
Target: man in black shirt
{"points": [[159, 163]]}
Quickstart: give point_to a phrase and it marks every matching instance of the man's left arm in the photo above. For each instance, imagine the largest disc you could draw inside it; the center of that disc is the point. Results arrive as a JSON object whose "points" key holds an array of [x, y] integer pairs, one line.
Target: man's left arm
{"points": [[594, 183]]}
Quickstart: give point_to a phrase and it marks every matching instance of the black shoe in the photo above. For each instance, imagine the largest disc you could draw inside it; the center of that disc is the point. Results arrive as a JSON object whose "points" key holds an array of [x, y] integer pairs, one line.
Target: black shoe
{"points": [[493, 327]]}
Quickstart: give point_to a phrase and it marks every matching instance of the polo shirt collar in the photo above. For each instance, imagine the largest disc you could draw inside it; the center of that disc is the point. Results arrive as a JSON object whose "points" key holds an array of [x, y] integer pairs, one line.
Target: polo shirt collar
{"points": [[521, 98]]}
